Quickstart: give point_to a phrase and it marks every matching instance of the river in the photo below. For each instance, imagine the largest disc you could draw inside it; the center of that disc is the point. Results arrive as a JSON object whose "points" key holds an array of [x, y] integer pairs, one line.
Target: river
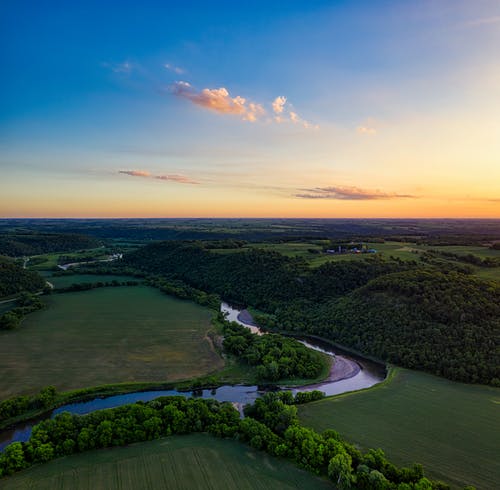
{"points": [[349, 373]]}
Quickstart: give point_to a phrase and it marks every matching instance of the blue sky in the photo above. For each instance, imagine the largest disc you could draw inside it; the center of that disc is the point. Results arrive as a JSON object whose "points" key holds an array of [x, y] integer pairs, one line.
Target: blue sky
{"points": [[389, 108]]}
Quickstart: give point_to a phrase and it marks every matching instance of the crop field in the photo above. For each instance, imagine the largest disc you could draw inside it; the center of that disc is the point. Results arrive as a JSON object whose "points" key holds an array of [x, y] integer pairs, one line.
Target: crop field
{"points": [[107, 335], [65, 281], [181, 462], [453, 429]]}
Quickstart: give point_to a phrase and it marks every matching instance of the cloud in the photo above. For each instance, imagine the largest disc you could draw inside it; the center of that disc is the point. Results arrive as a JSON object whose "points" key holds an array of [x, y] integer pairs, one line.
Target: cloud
{"points": [[285, 114], [175, 69], [366, 130], [482, 22], [135, 173], [180, 179], [348, 194], [219, 100], [278, 104], [125, 67]]}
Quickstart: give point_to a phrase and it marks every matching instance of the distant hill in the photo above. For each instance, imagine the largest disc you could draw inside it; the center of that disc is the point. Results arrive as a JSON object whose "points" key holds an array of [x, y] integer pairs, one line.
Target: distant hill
{"points": [[447, 324], [22, 244]]}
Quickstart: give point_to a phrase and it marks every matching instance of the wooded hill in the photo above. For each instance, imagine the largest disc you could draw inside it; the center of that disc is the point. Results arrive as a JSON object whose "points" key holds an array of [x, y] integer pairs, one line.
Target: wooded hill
{"points": [[24, 244], [409, 313], [14, 279]]}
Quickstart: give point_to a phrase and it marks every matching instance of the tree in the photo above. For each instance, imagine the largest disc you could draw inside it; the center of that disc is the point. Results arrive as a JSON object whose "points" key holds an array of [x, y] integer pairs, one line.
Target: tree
{"points": [[47, 396], [340, 471], [12, 459]]}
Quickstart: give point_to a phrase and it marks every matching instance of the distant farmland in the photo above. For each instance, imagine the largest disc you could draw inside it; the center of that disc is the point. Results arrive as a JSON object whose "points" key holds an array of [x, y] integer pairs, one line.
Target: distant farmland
{"points": [[106, 335], [179, 462], [451, 428]]}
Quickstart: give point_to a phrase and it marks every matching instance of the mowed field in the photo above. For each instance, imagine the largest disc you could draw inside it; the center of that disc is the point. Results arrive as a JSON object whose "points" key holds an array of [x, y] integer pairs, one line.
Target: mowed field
{"points": [[106, 335], [453, 429], [178, 463]]}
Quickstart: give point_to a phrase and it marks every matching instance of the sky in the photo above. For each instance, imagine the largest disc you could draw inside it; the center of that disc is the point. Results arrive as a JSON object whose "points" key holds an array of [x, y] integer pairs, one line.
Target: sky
{"points": [[332, 109]]}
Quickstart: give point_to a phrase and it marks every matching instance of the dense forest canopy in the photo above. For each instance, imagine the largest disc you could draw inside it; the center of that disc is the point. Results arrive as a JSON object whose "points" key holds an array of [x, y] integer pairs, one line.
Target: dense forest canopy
{"points": [[24, 244], [14, 279], [410, 313]]}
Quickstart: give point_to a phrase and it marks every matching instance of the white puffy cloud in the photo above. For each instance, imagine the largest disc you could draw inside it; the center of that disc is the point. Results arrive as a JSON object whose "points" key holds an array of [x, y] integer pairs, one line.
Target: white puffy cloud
{"points": [[219, 100]]}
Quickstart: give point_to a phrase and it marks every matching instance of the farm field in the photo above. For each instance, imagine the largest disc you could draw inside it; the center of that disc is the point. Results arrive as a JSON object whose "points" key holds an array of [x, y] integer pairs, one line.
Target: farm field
{"points": [[451, 428], [180, 462], [65, 281], [106, 335], [311, 252], [50, 260]]}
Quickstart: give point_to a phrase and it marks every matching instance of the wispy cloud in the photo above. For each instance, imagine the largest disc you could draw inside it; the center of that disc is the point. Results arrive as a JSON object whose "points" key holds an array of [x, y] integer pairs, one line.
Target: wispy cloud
{"points": [[175, 69], [135, 173], [483, 21], [180, 179], [366, 130], [348, 194], [219, 100], [124, 67]]}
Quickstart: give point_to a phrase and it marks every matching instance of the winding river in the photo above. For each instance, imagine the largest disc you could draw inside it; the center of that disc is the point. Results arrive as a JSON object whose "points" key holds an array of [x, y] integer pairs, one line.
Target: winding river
{"points": [[349, 373]]}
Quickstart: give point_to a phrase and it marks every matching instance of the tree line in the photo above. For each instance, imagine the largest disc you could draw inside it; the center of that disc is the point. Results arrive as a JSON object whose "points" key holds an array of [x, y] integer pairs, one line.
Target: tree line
{"points": [[270, 425], [86, 286], [26, 303]]}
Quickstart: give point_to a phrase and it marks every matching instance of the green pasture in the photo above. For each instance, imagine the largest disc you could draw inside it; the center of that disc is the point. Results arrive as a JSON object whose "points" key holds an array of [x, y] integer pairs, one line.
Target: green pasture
{"points": [[453, 429], [482, 252], [50, 260], [107, 335], [400, 250], [188, 462]]}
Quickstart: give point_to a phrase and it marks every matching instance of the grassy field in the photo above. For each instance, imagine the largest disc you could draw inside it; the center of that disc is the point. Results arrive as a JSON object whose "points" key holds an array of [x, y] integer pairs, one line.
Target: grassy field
{"points": [[65, 281], [51, 260], [107, 335], [400, 250], [181, 462], [451, 428]]}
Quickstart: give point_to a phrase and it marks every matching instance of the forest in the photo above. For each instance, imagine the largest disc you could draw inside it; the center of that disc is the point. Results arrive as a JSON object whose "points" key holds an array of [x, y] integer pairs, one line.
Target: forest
{"points": [[23, 244], [275, 356], [411, 313], [14, 279]]}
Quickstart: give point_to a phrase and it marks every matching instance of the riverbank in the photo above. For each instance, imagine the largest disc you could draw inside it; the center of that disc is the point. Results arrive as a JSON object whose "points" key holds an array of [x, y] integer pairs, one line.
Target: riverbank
{"points": [[341, 367]]}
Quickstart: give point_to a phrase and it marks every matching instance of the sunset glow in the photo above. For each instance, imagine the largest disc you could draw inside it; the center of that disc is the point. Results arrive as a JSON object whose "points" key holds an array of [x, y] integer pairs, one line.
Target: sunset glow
{"points": [[313, 109]]}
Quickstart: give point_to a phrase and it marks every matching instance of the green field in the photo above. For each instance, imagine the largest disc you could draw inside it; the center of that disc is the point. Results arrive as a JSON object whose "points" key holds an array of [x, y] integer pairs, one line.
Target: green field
{"points": [[65, 281], [400, 250], [50, 260], [180, 462], [453, 429], [107, 335]]}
